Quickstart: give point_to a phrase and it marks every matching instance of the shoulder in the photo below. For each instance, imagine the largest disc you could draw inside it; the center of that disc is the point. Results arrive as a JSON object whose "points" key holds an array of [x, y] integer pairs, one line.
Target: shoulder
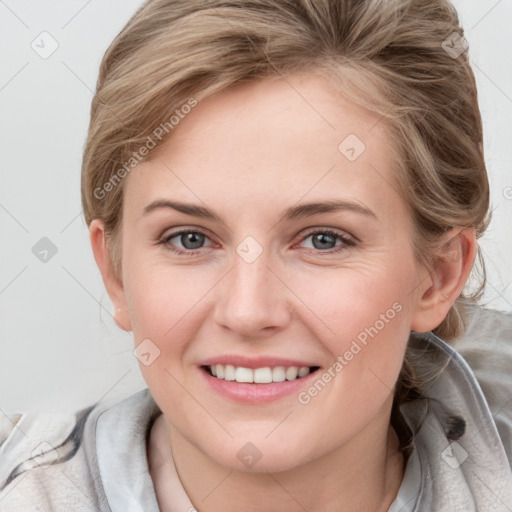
{"points": [[487, 348], [63, 462], [39, 459]]}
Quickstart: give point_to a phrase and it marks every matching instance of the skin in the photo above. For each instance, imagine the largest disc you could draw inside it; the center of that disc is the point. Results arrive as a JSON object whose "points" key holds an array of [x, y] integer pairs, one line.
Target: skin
{"points": [[248, 154]]}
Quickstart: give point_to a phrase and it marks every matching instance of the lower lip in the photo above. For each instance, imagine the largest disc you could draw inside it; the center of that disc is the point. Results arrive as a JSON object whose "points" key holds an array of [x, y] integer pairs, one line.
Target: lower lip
{"points": [[256, 393]]}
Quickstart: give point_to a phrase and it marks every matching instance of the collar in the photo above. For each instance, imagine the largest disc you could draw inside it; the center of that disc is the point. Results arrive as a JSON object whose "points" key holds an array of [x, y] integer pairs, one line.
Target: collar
{"points": [[457, 462]]}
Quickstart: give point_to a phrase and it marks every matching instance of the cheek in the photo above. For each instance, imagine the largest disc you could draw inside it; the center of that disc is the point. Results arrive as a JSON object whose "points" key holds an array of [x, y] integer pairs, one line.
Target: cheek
{"points": [[166, 306], [347, 301], [162, 298], [163, 304], [363, 319]]}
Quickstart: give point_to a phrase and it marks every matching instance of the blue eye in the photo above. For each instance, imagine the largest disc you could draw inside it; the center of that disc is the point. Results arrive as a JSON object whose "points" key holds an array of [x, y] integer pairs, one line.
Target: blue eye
{"points": [[190, 239], [323, 240]]}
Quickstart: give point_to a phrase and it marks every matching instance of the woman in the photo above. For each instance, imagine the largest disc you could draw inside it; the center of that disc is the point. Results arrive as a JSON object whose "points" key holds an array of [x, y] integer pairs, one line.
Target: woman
{"points": [[284, 201]]}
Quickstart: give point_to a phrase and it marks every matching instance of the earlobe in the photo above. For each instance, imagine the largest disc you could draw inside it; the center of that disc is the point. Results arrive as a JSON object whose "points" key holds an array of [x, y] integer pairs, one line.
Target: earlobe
{"points": [[112, 282], [122, 319], [444, 283]]}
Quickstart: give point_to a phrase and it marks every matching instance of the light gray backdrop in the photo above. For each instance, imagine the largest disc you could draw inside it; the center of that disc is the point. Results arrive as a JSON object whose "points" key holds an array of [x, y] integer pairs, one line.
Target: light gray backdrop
{"points": [[59, 345]]}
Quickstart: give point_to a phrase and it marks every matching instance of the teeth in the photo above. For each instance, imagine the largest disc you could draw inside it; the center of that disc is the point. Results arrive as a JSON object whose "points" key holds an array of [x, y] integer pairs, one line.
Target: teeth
{"points": [[229, 373], [303, 371], [291, 373], [262, 375], [278, 374], [259, 375], [243, 374]]}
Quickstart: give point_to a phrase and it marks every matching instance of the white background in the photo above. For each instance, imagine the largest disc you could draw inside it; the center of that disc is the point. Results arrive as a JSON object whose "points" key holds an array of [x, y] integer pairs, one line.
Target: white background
{"points": [[59, 345]]}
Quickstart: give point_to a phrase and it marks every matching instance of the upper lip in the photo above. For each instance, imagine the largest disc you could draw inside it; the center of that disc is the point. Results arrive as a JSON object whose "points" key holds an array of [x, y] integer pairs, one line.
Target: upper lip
{"points": [[254, 362]]}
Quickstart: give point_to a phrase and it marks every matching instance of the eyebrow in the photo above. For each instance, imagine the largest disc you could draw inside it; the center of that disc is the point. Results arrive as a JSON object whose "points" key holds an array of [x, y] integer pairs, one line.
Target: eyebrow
{"points": [[295, 212]]}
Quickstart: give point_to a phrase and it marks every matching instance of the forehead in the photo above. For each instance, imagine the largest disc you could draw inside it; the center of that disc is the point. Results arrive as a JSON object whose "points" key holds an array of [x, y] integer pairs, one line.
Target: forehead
{"points": [[276, 139]]}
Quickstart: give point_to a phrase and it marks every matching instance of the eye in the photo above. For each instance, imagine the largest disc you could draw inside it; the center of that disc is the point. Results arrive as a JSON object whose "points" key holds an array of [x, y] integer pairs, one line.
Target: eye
{"points": [[190, 239], [325, 240]]}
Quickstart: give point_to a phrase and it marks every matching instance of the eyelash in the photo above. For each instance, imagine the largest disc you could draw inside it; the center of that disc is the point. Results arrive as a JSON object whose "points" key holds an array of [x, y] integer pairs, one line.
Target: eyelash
{"points": [[346, 242]]}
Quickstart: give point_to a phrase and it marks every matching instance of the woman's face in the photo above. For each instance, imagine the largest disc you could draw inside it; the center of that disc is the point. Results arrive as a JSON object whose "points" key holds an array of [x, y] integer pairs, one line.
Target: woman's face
{"points": [[272, 279]]}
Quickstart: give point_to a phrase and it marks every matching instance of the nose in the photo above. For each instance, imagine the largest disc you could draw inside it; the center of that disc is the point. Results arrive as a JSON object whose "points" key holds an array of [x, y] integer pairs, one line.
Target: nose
{"points": [[253, 301]]}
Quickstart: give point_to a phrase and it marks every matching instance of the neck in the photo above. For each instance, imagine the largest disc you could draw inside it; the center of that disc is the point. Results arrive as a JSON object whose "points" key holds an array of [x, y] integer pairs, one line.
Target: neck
{"points": [[366, 480]]}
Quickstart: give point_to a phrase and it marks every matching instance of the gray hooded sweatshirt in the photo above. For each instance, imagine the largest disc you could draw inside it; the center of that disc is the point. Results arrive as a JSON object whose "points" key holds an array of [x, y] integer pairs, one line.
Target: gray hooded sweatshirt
{"points": [[459, 459]]}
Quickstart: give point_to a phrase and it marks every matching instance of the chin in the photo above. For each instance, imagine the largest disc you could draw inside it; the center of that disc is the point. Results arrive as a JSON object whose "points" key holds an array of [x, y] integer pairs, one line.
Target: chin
{"points": [[259, 456]]}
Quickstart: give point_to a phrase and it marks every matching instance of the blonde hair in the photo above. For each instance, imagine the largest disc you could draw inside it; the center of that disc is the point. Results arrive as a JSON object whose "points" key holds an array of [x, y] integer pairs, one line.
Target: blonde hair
{"points": [[401, 59]]}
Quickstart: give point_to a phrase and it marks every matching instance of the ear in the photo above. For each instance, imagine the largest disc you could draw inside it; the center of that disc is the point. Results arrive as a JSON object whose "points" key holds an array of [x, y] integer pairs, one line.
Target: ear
{"points": [[113, 283], [444, 283]]}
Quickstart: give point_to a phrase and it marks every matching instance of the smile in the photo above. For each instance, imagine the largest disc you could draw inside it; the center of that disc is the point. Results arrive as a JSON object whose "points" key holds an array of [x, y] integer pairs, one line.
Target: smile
{"points": [[264, 375], [257, 385]]}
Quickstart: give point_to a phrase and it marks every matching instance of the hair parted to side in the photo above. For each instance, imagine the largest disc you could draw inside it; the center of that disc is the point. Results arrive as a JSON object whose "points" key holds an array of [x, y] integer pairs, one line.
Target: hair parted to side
{"points": [[389, 56]]}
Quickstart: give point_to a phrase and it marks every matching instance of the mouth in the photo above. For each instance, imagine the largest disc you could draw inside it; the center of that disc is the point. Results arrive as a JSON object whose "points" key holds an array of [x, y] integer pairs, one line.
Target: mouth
{"points": [[263, 375]]}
